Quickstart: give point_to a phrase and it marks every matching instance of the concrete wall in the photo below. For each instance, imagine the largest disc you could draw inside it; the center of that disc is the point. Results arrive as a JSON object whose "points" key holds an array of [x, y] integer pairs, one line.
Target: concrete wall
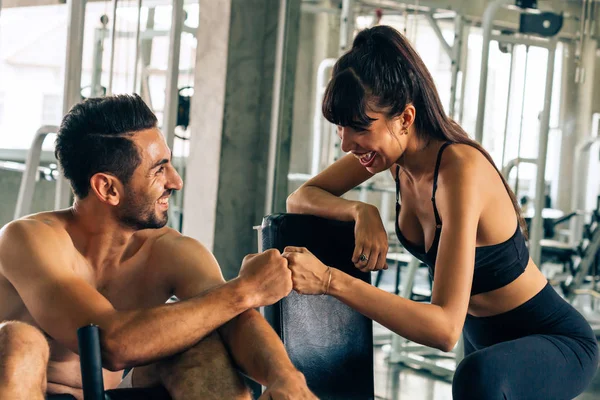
{"points": [[230, 123]]}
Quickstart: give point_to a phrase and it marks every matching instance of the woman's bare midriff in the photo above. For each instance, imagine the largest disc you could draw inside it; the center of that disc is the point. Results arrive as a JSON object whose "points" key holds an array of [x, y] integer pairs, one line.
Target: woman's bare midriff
{"points": [[509, 297]]}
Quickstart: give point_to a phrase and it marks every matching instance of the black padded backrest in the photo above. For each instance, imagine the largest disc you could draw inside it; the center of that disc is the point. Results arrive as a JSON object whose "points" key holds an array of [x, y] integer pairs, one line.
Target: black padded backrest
{"points": [[328, 341]]}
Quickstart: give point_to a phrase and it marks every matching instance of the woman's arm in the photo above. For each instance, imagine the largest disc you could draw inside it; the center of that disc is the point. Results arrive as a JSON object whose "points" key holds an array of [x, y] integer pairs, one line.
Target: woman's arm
{"points": [[438, 324], [321, 195]]}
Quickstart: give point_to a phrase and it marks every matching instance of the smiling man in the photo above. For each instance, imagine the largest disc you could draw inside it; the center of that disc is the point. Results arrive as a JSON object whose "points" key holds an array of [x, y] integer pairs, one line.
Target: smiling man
{"points": [[110, 260]]}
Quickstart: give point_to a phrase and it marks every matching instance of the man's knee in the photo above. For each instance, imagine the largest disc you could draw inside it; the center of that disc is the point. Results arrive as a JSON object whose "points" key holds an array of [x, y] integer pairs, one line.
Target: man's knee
{"points": [[22, 340], [477, 378]]}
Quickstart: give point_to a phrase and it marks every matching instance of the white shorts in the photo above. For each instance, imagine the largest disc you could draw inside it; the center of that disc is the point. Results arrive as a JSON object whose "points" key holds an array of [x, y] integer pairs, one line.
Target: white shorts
{"points": [[126, 382]]}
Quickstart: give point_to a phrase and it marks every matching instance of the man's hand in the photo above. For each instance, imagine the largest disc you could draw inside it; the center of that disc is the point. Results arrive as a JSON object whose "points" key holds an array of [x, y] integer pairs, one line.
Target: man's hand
{"points": [[291, 387], [268, 277]]}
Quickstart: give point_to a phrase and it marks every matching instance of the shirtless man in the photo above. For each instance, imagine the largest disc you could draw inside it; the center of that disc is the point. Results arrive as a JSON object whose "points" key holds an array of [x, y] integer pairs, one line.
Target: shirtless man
{"points": [[109, 260]]}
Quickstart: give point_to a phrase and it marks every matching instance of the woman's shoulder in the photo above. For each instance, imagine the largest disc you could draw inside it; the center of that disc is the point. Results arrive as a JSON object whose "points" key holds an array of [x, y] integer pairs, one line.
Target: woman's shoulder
{"points": [[465, 162]]}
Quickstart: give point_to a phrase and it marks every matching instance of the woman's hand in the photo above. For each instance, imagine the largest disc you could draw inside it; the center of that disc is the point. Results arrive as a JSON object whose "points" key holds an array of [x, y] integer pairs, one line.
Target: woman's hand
{"points": [[309, 275], [370, 238]]}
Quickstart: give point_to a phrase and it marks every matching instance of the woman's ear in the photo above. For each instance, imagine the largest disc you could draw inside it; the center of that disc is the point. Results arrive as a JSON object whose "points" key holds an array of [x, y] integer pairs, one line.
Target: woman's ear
{"points": [[107, 188], [408, 116]]}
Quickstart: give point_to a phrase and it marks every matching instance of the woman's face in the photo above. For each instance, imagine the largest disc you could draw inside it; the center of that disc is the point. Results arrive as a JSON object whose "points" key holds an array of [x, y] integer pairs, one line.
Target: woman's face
{"points": [[378, 147]]}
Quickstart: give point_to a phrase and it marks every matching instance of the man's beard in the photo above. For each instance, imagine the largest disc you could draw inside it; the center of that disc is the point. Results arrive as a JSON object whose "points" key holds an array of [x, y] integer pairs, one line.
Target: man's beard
{"points": [[138, 213]]}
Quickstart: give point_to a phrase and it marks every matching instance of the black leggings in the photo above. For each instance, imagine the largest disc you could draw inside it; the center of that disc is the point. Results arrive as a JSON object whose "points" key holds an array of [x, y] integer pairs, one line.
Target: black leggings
{"points": [[543, 349]]}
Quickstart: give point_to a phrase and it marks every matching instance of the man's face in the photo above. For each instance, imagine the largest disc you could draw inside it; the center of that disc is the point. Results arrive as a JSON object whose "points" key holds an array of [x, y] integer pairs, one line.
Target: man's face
{"points": [[146, 199]]}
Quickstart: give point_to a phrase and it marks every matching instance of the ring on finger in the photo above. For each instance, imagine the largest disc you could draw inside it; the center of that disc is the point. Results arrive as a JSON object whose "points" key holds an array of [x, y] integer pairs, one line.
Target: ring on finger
{"points": [[363, 258]]}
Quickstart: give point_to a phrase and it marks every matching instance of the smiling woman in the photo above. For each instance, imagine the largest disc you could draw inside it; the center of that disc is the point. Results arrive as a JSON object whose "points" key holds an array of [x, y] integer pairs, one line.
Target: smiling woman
{"points": [[458, 216]]}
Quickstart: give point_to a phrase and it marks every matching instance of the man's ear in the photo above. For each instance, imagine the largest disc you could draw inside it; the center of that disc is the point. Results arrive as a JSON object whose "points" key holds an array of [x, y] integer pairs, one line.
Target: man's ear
{"points": [[107, 188]]}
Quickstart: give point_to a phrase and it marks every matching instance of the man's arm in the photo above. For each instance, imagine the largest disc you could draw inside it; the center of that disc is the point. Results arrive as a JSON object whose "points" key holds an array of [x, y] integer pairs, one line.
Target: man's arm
{"points": [[36, 259], [253, 344]]}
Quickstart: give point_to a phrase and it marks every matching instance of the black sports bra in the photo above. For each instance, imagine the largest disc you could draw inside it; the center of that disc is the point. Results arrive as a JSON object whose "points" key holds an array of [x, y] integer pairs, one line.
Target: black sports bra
{"points": [[496, 265]]}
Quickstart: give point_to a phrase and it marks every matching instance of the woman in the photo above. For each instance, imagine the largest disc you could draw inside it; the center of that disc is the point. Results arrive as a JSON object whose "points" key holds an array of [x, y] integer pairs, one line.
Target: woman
{"points": [[458, 215]]}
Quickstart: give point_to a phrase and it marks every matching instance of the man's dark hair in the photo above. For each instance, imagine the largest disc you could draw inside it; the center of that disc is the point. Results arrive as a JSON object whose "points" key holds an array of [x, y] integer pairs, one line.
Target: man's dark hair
{"points": [[95, 136]]}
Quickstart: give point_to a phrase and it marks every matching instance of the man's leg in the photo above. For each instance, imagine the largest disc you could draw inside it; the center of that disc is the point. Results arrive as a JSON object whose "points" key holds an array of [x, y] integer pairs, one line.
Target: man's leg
{"points": [[24, 353], [205, 371]]}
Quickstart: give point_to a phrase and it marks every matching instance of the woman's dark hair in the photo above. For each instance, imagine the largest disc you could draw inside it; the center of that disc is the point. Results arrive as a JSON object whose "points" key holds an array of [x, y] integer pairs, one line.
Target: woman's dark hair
{"points": [[383, 69], [95, 136]]}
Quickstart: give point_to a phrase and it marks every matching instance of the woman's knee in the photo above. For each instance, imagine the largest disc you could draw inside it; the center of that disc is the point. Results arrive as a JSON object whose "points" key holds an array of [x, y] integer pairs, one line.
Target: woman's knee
{"points": [[477, 378], [23, 340]]}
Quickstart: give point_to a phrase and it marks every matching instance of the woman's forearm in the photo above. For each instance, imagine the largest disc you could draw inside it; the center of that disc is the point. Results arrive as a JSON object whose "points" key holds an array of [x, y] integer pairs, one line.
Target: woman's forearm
{"points": [[422, 323], [315, 201]]}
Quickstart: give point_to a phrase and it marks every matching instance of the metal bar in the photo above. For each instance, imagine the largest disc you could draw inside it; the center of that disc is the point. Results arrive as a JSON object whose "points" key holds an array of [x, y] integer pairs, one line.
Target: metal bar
{"points": [[514, 162], [137, 46], [27, 187], [113, 36], [488, 23], [526, 40], [88, 340], [508, 97], [578, 198], [540, 185], [171, 99], [456, 63], [346, 25], [465, 66], [522, 117], [438, 32], [72, 88], [586, 263], [97, 62], [318, 117], [146, 57], [276, 106]]}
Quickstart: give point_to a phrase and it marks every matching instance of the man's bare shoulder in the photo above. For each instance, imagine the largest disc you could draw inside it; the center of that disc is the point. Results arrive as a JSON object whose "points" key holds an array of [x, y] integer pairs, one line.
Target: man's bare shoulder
{"points": [[45, 226], [36, 237]]}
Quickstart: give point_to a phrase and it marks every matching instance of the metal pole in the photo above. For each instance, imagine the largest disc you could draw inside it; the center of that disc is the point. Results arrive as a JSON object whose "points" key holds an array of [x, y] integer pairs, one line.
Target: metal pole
{"points": [[438, 32], [29, 177], [137, 46], [465, 66], [113, 36], [72, 88], [456, 63], [317, 117], [522, 117], [580, 174], [346, 25], [488, 23], [508, 96], [146, 56], [275, 106], [171, 99], [97, 61], [540, 185]]}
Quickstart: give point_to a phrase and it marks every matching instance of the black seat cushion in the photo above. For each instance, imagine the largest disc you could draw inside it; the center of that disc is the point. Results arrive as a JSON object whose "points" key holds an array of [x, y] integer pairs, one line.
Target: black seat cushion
{"points": [[157, 393], [329, 342], [59, 397]]}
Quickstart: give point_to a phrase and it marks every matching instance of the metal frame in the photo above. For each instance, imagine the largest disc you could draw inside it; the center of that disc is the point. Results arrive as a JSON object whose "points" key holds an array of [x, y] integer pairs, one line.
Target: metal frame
{"points": [[540, 183], [317, 136], [72, 88], [488, 22], [30, 174], [171, 98], [577, 197], [276, 106], [514, 163]]}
